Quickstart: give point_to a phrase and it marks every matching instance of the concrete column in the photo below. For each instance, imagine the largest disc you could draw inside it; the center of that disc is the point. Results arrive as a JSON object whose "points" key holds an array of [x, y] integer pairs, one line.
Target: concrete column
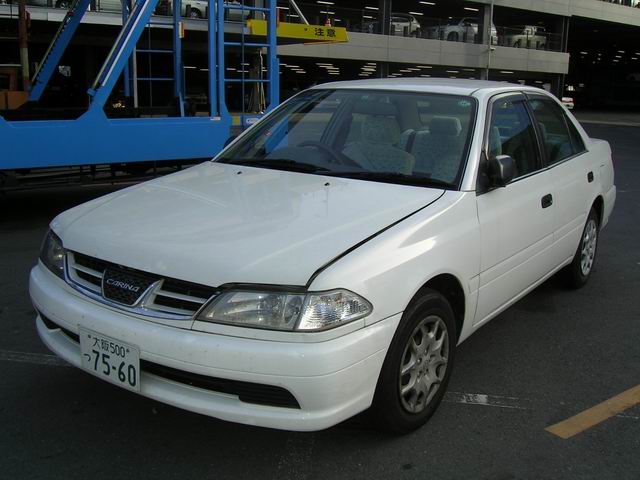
{"points": [[383, 69], [384, 16], [484, 37], [24, 47], [562, 31], [557, 85], [484, 17]]}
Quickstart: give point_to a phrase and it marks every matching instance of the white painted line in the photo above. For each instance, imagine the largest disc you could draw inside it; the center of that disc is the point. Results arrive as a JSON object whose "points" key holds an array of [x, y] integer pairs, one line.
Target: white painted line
{"points": [[498, 401], [626, 415], [33, 358], [299, 446]]}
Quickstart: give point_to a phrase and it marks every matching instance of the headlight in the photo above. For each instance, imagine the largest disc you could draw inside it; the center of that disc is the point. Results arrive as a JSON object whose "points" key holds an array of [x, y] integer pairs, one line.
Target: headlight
{"points": [[286, 311], [52, 253]]}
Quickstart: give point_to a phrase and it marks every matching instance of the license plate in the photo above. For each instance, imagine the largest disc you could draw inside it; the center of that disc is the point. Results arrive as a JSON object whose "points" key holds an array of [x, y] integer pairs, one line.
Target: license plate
{"points": [[110, 359]]}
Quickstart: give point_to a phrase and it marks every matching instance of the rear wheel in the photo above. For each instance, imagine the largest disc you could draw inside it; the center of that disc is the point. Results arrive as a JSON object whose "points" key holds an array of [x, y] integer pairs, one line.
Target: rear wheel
{"points": [[453, 37], [418, 365], [577, 273]]}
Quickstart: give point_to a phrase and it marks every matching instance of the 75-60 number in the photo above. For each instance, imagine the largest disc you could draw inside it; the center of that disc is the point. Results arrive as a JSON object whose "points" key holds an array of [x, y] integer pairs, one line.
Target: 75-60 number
{"points": [[126, 373]]}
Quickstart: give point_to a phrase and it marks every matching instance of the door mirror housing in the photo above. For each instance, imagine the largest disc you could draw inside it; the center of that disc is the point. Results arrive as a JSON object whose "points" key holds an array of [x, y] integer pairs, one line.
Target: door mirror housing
{"points": [[502, 169]]}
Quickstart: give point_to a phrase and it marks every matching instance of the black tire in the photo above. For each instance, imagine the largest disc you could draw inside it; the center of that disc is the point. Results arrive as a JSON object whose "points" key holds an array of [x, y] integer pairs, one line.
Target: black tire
{"points": [[390, 408], [453, 37], [574, 274], [195, 13]]}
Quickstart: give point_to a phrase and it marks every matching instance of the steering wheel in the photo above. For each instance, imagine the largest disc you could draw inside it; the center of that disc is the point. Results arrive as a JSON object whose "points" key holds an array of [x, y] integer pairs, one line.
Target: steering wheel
{"points": [[335, 158]]}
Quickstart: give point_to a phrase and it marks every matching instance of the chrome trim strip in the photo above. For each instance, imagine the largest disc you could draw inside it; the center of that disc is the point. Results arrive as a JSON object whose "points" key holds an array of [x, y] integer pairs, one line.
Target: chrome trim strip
{"points": [[137, 309]]}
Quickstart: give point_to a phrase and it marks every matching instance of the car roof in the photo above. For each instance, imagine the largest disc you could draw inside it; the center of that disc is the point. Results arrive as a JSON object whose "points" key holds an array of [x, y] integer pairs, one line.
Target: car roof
{"points": [[431, 85]]}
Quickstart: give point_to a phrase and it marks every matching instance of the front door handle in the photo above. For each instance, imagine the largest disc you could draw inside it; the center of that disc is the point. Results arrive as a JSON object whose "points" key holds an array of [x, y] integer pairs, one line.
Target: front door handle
{"points": [[547, 200]]}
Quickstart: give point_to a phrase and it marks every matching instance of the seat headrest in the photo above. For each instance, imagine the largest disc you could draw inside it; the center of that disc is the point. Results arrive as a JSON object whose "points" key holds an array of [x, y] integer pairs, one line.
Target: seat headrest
{"points": [[379, 129], [445, 126]]}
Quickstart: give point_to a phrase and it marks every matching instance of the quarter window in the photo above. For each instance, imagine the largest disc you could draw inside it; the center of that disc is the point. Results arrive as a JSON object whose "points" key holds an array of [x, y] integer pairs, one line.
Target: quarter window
{"points": [[512, 133], [558, 141]]}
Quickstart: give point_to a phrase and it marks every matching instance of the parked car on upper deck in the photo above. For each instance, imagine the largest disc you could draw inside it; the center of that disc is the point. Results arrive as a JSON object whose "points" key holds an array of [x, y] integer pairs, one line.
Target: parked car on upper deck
{"points": [[459, 30], [525, 36], [332, 257], [403, 24]]}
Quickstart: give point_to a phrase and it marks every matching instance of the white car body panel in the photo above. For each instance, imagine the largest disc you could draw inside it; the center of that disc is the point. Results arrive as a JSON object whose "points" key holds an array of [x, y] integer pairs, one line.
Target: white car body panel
{"points": [[395, 264], [516, 239], [209, 216], [212, 225]]}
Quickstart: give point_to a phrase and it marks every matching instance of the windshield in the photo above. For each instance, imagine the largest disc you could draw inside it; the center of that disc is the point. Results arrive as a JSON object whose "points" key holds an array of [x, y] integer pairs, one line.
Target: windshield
{"points": [[393, 137]]}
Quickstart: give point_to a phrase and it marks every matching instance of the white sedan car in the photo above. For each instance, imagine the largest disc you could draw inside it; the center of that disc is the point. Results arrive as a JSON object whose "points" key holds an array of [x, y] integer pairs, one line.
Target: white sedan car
{"points": [[332, 257]]}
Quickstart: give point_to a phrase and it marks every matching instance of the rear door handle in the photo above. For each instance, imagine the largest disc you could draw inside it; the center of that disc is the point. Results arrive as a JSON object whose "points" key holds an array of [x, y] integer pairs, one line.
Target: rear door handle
{"points": [[547, 200], [590, 177]]}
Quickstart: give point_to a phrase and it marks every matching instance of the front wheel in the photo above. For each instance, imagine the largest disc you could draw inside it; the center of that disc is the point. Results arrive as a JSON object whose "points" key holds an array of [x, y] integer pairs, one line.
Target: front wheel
{"points": [[577, 273], [418, 365]]}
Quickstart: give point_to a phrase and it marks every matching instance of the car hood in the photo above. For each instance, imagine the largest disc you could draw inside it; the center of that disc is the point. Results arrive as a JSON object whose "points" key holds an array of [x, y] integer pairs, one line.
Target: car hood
{"points": [[215, 224]]}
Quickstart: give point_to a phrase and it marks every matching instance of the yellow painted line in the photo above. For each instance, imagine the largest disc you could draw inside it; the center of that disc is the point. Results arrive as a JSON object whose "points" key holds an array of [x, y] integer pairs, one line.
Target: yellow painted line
{"points": [[595, 415]]}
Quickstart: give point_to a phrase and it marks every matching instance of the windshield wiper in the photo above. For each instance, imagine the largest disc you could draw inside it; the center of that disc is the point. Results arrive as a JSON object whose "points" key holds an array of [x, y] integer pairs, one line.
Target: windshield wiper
{"points": [[394, 177], [276, 164]]}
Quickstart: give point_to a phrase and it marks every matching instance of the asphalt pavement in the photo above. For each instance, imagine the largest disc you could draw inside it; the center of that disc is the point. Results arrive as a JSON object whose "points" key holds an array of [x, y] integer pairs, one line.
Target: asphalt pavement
{"points": [[552, 355]]}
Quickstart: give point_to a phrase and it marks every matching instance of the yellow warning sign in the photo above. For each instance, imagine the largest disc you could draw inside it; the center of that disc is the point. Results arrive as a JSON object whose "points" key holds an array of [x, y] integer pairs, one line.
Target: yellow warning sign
{"points": [[300, 31]]}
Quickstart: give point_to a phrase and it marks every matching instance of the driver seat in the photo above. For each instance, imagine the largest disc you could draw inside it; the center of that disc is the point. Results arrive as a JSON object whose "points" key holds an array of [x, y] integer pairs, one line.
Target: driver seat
{"points": [[376, 150]]}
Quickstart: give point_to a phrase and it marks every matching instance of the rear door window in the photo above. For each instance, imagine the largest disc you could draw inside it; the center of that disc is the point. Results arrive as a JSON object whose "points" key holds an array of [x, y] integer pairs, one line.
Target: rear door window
{"points": [[554, 127]]}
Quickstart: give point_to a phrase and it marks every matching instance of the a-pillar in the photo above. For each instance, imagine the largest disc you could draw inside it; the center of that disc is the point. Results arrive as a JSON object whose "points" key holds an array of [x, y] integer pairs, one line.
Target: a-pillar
{"points": [[384, 17], [561, 43]]}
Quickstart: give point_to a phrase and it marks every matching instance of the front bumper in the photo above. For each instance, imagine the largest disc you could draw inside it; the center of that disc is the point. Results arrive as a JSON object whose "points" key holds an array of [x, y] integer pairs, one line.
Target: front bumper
{"points": [[331, 380]]}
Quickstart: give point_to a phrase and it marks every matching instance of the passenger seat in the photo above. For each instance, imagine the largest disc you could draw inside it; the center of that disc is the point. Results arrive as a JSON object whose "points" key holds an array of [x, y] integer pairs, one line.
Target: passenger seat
{"points": [[437, 150]]}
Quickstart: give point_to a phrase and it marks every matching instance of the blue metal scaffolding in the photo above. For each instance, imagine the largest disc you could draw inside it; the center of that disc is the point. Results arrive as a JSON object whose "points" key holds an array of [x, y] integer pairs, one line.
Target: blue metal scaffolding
{"points": [[93, 138]]}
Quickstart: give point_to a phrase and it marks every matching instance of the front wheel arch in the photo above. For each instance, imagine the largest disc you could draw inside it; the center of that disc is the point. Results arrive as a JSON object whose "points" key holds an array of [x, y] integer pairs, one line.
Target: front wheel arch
{"points": [[450, 288]]}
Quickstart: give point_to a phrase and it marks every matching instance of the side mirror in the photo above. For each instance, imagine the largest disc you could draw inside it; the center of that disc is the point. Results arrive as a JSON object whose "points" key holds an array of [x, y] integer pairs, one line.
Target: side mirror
{"points": [[502, 169]]}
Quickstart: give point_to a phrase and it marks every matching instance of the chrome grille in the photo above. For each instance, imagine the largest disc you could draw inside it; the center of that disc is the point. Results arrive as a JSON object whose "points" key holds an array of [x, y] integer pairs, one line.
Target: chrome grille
{"points": [[166, 297], [135, 285]]}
